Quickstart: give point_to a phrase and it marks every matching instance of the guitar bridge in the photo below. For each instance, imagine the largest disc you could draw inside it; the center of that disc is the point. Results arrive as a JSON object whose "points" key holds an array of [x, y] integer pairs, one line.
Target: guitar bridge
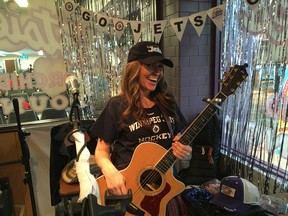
{"points": [[133, 209]]}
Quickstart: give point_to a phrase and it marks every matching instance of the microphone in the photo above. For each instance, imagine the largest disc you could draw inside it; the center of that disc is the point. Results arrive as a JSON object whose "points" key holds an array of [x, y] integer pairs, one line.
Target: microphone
{"points": [[72, 85]]}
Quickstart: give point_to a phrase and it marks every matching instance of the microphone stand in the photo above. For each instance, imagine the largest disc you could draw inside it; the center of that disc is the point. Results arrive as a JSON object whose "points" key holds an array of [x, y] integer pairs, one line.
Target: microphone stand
{"points": [[25, 155], [74, 115]]}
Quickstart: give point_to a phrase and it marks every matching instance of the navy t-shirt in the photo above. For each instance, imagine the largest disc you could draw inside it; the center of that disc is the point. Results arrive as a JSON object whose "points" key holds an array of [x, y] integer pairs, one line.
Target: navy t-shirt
{"points": [[126, 140]]}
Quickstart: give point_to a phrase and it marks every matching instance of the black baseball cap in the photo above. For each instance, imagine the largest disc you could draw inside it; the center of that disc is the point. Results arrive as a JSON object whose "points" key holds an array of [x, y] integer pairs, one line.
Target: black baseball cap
{"points": [[148, 52]]}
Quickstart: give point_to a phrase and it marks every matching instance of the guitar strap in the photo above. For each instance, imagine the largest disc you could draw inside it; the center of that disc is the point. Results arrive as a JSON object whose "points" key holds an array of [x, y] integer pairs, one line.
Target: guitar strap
{"points": [[167, 120]]}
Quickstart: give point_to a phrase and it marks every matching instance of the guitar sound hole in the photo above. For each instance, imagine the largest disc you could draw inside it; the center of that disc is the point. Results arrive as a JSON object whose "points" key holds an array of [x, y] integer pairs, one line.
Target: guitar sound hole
{"points": [[150, 180]]}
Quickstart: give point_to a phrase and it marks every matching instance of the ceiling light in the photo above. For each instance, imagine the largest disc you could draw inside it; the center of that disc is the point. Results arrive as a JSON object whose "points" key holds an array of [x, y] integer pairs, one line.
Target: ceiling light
{"points": [[40, 52], [16, 53], [22, 3], [13, 5]]}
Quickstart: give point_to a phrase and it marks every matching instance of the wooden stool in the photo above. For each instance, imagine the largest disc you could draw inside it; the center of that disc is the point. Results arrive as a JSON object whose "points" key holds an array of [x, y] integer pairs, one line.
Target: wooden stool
{"points": [[69, 190], [69, 193]]}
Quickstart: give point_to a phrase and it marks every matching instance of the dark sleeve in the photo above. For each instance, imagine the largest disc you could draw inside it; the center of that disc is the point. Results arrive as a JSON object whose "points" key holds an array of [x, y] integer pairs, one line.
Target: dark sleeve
{"points": [[181, 122], [106, 125], [209, 135]]}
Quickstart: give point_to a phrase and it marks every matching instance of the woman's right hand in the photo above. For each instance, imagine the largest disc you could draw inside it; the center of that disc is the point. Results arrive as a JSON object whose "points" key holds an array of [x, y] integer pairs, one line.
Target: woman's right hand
{"points": [[115, 181]]}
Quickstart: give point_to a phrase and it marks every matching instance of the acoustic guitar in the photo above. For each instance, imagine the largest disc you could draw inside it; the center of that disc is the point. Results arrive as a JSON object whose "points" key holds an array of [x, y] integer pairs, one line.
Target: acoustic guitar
{"points": [[149, 174]]}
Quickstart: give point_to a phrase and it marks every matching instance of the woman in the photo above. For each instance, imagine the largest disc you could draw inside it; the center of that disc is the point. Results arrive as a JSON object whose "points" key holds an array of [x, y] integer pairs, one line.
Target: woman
{"points": [[137, 115]]}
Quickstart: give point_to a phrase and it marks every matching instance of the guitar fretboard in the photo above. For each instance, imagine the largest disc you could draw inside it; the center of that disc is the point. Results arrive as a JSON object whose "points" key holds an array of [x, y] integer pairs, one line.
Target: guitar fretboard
{"points": [[191, 132]]}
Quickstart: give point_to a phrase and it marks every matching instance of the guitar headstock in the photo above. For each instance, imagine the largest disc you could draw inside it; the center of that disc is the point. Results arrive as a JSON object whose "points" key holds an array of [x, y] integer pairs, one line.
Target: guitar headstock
{"points": [[234, 78]]}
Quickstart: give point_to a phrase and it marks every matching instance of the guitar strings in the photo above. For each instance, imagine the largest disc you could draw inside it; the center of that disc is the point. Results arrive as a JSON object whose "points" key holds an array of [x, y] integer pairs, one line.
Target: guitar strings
{"points": [[151, 177]]}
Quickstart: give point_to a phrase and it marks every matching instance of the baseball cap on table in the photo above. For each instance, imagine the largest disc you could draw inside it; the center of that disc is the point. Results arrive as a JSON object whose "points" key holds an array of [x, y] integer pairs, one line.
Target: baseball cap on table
{"points": [[236, 195], [148, 52]]}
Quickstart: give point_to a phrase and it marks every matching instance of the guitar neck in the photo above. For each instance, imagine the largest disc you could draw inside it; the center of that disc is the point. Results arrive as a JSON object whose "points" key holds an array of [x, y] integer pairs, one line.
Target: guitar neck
{"points": [[201, 120], [236, 75], [192, 131]]}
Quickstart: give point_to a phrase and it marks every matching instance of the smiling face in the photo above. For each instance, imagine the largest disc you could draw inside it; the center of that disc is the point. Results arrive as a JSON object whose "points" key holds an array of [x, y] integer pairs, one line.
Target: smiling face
{"points": [[150, 76]]}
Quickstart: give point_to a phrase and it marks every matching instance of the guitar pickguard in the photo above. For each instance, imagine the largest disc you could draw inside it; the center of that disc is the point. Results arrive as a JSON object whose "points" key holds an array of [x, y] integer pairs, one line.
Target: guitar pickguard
{"points": [[151, 204], [153, 186]]}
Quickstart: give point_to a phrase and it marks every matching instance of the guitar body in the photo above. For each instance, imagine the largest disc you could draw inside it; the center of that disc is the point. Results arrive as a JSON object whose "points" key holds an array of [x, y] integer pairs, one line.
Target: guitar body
{"points": [[151, 189]]}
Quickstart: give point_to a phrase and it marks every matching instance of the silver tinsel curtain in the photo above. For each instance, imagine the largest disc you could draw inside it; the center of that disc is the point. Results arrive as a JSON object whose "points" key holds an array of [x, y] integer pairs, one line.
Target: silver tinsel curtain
{"points": [[254, 120], [95, 56]]}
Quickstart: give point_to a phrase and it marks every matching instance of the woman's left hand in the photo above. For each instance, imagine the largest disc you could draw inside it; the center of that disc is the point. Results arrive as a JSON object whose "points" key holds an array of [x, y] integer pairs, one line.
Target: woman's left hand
{"points": [[180, 150]]}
